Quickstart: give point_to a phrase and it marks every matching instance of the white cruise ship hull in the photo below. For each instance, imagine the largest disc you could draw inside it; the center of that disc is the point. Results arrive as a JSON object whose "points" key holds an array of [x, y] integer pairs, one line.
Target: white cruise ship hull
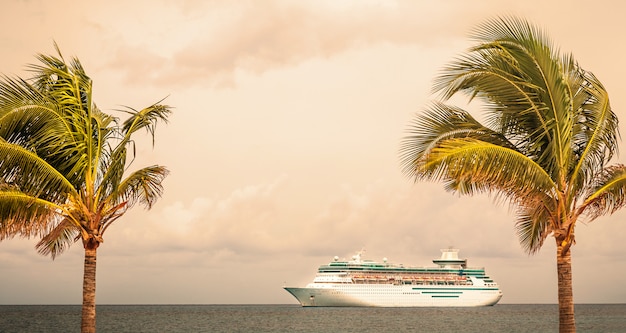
{"points": [[361, 282], [386, 295]]}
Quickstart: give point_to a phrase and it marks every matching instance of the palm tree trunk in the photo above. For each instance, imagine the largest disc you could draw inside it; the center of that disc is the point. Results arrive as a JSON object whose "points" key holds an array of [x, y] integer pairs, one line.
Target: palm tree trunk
{"points": [[566, 295], [88, 323]]}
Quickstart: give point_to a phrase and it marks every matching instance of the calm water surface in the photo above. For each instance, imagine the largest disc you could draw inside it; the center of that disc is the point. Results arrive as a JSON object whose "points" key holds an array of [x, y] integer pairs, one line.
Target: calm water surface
{"points": [[293, 318]]}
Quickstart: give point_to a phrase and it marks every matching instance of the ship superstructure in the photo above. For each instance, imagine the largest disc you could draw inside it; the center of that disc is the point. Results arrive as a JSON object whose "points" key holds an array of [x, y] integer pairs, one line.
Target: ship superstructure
{"points": [[360, 282]]}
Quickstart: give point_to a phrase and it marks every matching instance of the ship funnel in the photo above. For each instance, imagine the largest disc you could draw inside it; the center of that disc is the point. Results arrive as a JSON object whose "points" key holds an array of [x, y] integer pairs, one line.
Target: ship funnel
{"points": [[450, 254], [450, 259]]}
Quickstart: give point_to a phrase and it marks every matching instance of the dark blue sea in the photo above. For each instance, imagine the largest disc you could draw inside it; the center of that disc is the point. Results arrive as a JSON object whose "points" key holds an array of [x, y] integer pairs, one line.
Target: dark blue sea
{"points": [[293, 318]]}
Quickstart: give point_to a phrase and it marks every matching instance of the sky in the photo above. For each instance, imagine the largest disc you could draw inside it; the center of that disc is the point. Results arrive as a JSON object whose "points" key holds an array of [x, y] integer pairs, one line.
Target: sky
{"points": [[283, 145]]}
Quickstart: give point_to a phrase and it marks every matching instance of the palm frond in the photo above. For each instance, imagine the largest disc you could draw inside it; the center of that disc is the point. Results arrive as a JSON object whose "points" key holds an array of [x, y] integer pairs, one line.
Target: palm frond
{"points": [[469, 166], [25, 215], [595, 131], [54, 115], [32, 175], [113, 167], [534, 222], [58, 239], [608, 193], [17, 93], [143, 186], [146, 119], [115, 162], [68, 85], [516, 73], [44, 132], [441, 122]]}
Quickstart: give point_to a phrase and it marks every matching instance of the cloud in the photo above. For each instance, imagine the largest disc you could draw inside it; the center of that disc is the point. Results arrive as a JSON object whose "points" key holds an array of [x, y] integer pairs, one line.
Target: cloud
{"points": [[255, 221], [224, 39], [247, 221]]}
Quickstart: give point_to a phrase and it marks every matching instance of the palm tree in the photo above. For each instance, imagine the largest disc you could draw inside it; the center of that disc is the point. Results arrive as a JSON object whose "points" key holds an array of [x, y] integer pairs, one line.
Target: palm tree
{"points": [[548, 136], [63, 163]]}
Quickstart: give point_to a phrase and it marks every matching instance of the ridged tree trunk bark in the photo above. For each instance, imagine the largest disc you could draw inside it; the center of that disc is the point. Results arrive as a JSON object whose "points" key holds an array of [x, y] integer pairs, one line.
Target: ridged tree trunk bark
{"points": [[88, 322], [566, 295]]}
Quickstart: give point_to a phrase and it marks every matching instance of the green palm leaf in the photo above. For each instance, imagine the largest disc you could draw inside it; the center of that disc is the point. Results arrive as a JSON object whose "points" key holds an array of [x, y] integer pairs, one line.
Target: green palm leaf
{"points": [[25, 215], [143, 186], [608, 193], [441, 122], [146, 118], [535, 221], [58, 239], [469, 166], [32, 175]]}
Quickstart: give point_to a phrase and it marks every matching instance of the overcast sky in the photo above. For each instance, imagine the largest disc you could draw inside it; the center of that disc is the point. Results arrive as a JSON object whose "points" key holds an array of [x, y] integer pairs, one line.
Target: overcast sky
{"points": [[283, 147]]}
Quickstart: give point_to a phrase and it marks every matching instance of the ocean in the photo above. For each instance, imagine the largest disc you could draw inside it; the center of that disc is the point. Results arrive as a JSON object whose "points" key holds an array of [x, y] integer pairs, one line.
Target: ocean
{"points": [[293, 318]]}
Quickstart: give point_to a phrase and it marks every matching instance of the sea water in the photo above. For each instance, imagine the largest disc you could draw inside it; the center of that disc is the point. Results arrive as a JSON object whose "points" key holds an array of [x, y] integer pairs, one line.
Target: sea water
{"points": [[293, 318]]}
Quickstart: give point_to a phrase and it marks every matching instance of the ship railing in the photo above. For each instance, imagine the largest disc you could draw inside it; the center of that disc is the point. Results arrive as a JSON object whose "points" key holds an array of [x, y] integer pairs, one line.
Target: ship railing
{"points": [[411, 280]]}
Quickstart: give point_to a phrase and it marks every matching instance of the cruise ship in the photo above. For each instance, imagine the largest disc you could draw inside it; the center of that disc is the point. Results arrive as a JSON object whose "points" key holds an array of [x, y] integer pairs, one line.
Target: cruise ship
{"points": [[359, 282]]}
